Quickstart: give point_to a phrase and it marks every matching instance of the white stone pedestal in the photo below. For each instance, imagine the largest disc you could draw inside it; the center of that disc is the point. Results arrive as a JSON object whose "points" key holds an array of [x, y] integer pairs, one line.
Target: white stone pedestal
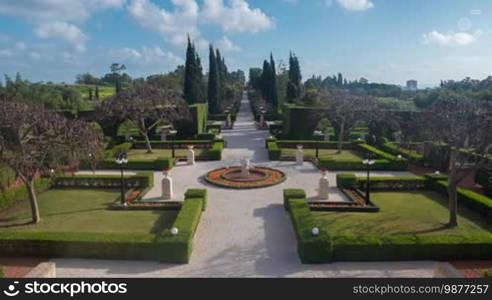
{"points": [[299, 155], [167, 188], [324, 185], [190, 157]]}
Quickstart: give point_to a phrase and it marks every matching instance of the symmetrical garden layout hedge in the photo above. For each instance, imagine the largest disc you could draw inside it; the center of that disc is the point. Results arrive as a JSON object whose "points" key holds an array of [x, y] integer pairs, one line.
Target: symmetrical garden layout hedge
{"points": [[383, 160], [164, 247], [325, 248]]}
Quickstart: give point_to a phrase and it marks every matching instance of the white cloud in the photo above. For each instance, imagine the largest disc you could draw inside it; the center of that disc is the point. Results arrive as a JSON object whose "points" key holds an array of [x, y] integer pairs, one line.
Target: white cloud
{"points": [[68, 32], [355, 4], [226, 45], [236, 17], [187, 16], [54, 18], [450, 38], [56, 10], [145, 56]]}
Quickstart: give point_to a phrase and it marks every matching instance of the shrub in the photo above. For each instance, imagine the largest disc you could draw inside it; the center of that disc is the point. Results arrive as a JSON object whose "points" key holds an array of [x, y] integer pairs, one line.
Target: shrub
{"points": [[1, 272], [206, 136], [115, 151], [380, 153], [346, 180], [356, 164], [216, 152], [274, 151], [140, 180], [395, 183], [311, 249], [198, 193], [7, 177], [394, 149], [293, 194], [155, 165]]}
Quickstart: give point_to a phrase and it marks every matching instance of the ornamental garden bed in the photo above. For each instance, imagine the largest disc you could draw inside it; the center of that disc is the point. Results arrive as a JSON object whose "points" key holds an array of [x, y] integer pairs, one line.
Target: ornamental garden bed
{"points": [[410, 226], [79, 223]]}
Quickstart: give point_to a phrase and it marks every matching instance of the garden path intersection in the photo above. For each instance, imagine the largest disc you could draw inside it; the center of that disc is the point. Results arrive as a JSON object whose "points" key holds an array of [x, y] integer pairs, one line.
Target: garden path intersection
{"points": [[245, 233]]}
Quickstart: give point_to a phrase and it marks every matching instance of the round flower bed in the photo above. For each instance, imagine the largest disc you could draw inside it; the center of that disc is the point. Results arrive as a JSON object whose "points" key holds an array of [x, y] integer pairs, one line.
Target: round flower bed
{"points": [[260, 177]]}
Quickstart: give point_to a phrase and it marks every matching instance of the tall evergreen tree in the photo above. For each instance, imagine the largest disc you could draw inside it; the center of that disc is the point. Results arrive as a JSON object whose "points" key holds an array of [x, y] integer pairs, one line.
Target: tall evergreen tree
{"points": [[193, 79], [295, 78], [264, 81], [340, 80], [273, 83], [213, 83]]}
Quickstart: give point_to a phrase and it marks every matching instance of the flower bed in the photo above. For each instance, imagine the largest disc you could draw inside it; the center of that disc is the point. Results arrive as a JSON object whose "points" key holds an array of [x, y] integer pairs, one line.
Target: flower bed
{"points": [[272, 177]]}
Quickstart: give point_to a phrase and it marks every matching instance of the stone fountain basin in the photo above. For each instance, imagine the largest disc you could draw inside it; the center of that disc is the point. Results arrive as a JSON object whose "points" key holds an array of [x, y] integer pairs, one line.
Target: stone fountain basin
{"points": [[231, 177]]}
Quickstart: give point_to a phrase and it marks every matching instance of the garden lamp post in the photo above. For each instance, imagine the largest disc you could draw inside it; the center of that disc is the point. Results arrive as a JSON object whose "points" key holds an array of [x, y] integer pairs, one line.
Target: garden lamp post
{"points": [[122, 161], [368, 163]]}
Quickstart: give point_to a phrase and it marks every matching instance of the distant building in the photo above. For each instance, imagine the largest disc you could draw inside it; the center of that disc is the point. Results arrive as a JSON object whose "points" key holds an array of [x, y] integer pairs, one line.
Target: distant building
{"points": [[412, 85]]}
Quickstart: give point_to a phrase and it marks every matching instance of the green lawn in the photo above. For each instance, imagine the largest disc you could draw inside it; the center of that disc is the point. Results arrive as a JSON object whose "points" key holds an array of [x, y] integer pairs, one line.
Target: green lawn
{"points": [[104, 90], [141, 154], [346, 154], [85, 211], [418, 212]]}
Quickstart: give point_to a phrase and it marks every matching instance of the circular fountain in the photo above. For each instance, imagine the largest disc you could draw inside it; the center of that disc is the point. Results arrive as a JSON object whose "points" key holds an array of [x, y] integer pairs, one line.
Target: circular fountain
{"points": [[245, 176]]}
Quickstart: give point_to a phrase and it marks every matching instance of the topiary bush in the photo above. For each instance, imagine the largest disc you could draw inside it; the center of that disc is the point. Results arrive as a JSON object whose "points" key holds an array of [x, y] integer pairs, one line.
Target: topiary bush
{"points": [[293, 194], [274, 151], [346, 180], [198, 193], [488, 273]]}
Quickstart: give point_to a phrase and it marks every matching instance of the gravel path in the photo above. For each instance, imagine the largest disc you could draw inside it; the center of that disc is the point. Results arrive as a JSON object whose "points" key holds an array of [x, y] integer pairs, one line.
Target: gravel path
{"points": [[245, 233]]}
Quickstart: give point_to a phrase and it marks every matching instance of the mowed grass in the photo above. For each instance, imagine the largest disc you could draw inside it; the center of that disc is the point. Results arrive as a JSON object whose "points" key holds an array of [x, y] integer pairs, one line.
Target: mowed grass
{"points": [[414, 212], [346, 154], [84, 211], [104, 91], [141, 154]]}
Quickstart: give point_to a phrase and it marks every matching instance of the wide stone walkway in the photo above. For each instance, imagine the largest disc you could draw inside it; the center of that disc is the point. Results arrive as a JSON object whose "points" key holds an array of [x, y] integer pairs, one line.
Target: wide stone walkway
{"points": [[245, 233]]}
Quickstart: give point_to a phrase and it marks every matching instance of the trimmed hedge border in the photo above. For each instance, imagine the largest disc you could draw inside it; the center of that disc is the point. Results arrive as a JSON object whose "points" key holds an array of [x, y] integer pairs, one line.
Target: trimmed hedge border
{"points": [[326, 248], [384, 161], [346, 180], [140, 180], [164, 247]]}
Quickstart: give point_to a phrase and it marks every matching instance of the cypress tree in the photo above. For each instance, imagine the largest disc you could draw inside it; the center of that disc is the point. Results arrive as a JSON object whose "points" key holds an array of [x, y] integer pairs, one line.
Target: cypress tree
{"points": [[213, 83], [189, 73], [340, 80], [295, 78], [193, 81], [264, 81], [97, 92], [273, 84]]}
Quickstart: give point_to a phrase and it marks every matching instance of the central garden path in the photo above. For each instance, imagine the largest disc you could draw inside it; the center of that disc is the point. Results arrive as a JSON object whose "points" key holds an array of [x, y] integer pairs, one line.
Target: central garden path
{"points": [[244, 233]]}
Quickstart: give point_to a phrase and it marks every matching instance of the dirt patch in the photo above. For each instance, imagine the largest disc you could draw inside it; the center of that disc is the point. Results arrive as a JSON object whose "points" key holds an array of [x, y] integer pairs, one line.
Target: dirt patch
{"points": [[18, 267], [472, 268]]}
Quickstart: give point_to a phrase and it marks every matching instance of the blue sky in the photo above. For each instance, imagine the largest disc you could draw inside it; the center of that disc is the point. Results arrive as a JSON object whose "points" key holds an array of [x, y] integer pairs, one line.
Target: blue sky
{"points": [[382, 40]]}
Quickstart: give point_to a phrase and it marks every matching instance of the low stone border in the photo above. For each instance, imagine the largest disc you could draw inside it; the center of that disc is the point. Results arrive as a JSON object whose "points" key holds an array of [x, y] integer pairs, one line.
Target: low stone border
{"points": [[43, 270]]}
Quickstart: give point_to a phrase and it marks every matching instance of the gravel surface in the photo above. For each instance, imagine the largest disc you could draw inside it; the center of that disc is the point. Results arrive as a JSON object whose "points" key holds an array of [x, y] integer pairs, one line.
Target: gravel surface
{"points": [[245, 233]]}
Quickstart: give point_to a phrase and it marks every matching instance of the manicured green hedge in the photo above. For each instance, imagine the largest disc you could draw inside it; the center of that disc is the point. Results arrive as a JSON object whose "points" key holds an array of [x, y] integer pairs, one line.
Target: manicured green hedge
{"points": [[206, 136], [154, 165], [11, 196], [215, 153], [115, 151], [395, 183], [356, 164], [1, 273], [293, 194], [394, 149], [274, 151], [163, 247], [311, 249], [141, 180], [313, 144], [198, 193], [178, 144], [346, 180], [379, 247], [480, 203]]}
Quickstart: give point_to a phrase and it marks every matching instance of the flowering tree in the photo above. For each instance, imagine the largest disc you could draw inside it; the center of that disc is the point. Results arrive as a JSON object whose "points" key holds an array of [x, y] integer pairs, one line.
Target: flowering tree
{"points": [[33, 140]]}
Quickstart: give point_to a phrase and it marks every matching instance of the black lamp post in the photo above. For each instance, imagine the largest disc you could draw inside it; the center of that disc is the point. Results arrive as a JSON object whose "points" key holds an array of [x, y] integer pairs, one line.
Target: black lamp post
{"points": [[368, 163], [122, 161]]}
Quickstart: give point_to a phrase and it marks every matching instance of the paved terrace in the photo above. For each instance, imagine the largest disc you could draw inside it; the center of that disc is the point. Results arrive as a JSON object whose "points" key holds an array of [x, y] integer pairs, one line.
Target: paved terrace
{"points": [[245, 233]]}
